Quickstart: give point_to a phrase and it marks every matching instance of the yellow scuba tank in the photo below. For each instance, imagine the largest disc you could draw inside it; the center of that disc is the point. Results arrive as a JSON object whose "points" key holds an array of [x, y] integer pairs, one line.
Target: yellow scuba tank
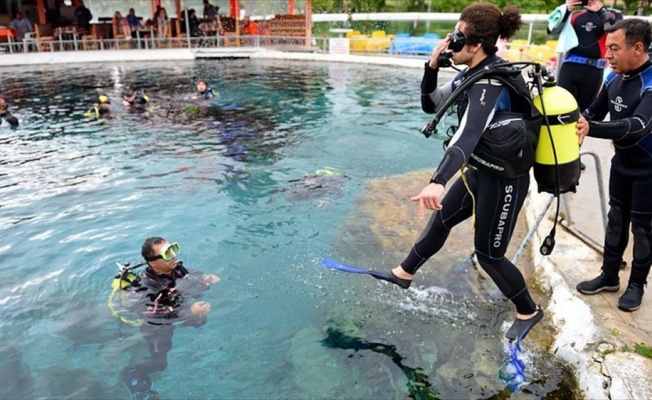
{"points": [[562, 154], [121, 282]]}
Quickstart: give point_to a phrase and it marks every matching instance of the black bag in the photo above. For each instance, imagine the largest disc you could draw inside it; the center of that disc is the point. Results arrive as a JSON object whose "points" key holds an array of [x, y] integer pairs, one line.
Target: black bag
{"points": [[508, 145]]}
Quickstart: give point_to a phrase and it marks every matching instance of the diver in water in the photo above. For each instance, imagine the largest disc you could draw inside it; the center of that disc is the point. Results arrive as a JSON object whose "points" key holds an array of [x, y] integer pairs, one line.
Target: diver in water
{"points": [[159, 296], [204, 91], [325, 182], [101, 109], [137, 99], [492, 190], [6, 115]]}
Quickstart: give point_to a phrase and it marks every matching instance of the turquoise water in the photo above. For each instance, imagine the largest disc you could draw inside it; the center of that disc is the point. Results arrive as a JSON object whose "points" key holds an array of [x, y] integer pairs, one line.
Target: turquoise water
{"points": [[223, 178]]}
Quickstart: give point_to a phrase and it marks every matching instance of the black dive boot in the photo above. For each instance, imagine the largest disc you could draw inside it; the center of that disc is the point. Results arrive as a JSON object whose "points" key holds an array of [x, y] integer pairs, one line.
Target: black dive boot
{"points": [[604, 282], [632, 298]]}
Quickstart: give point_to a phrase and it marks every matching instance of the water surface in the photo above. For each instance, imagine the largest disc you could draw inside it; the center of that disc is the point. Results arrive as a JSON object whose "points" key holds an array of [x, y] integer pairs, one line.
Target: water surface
{"points": [[225, 179]]}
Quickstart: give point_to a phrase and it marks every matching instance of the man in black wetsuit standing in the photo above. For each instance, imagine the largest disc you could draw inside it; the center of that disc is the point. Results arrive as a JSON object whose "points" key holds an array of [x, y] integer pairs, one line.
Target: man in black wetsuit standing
{"points": [[627, 97]]}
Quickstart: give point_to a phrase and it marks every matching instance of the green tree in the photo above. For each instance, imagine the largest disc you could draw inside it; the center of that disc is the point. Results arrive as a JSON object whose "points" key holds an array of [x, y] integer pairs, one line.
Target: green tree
{"points": [[630, 6]]}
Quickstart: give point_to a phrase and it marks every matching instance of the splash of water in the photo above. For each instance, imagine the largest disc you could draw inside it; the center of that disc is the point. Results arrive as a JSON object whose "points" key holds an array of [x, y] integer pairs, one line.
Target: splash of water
{"points": [[512, 372]]}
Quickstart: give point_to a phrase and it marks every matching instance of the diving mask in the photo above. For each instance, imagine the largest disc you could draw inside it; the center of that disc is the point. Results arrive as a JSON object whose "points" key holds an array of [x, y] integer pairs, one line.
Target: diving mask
{"points": [[167, 253], [457, 41]]}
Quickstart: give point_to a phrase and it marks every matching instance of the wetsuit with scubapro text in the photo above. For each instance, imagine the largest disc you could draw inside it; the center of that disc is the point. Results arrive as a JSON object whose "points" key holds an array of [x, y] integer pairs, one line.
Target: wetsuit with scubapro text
{"points": [[627, 98], [495, 201]]}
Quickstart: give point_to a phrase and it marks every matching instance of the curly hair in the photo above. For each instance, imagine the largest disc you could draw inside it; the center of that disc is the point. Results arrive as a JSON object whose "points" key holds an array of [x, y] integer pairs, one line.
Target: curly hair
{"points": [[486, 23]]}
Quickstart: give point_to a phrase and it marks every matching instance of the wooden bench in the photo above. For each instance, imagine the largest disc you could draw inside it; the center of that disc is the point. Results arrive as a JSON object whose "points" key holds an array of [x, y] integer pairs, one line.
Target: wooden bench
{"points": [[287, 25]]}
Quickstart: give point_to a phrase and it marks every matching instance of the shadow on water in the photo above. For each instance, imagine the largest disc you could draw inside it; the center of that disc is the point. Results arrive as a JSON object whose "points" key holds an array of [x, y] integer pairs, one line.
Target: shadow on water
{"points": [[419, 386]]}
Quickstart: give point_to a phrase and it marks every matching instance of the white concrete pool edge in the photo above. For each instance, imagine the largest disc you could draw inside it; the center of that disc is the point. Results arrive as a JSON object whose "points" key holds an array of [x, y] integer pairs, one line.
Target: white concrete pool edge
{"points": [[99, 56], [581, 341]]}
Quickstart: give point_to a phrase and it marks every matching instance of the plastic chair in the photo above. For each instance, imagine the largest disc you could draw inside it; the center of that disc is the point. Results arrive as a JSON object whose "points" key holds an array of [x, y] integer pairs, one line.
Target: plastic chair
{"points": [[44, 38]]}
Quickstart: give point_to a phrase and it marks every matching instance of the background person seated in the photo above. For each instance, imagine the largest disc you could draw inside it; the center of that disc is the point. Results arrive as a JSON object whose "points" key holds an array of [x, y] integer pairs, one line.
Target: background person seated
{"points": [[134, 22], [193, 24], [120, 25], [250, 27], [21, 25], [161, 23]]}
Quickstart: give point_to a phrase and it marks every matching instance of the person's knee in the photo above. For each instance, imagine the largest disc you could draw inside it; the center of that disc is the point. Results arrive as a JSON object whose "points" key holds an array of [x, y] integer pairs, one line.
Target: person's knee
{"points": [[642, 246], [614, 226]]}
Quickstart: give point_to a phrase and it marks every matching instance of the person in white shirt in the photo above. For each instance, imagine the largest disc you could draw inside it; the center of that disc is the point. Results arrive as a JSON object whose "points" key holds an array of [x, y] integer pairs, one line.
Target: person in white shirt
{"points": [[21, 25]]}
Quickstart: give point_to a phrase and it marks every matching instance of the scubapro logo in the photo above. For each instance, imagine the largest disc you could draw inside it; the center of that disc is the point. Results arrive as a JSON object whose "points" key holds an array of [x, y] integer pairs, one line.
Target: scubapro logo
{"points": [[589, 26], [502, 217], [618, 104]]}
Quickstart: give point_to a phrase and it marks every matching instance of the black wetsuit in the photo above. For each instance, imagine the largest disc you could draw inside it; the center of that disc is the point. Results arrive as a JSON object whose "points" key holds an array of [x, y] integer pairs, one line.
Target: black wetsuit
{"points": [[6, 115], [206, 94], [628, 100], [497, 201], [581, 75], [160, 301]]}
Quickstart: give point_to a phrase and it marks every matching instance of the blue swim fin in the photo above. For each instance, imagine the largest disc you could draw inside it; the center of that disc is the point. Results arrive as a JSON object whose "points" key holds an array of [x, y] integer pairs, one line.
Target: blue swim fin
{"points": [[390, 277], [512, 372]]}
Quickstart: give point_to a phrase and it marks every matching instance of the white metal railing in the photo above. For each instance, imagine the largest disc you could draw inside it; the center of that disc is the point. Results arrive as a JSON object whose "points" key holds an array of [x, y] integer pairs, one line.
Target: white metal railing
{"points": [[410, 47]]}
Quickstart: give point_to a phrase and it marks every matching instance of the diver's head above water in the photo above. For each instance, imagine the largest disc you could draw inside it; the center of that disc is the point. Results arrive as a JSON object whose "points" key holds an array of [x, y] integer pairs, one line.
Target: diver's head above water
{"points": [[137, 97], [161, 256]]}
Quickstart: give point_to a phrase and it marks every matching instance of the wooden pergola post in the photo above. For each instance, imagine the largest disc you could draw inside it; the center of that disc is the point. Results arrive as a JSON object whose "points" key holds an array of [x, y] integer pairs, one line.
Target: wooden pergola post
{"points": [[308, 15], [155, 3], [40, 6]]}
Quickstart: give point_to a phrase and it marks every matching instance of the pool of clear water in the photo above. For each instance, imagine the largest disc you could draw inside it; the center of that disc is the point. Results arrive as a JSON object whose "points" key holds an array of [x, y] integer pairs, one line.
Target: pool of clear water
{"points": [[231, 180]]}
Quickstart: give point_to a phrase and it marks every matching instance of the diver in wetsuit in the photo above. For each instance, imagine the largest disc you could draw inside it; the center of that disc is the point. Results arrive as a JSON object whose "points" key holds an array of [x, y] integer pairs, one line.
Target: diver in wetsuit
{"points": [[138, 99], [204, 91], [101, 109], [159, 296], [493, 189], [627, 97], [582, 66], [6, 115]]}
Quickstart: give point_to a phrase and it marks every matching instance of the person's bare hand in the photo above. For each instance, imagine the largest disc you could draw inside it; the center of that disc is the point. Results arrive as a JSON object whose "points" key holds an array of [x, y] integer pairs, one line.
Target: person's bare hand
{"points": [[436, 52], [594, 5], [430, 198], [582, 129], [200, 308], [573, 4]]}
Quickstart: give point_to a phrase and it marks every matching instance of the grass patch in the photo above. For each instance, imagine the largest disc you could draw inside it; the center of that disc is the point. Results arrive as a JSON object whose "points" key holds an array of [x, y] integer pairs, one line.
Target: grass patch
{"points": [[643, 349]]}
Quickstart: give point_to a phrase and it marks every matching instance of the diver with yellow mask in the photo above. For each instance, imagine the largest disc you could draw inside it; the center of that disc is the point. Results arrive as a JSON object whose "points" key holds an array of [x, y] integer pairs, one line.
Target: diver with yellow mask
{"points": [[156, 299]]}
